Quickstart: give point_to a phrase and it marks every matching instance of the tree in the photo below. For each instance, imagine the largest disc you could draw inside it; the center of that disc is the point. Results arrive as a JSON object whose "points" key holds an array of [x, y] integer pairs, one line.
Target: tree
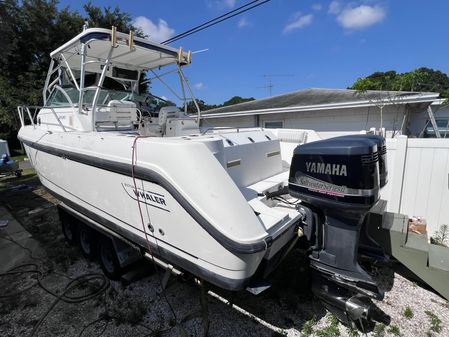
{"points": [[191, 108], [108, 17], [237, 100], [420, 79], [29, 31]]}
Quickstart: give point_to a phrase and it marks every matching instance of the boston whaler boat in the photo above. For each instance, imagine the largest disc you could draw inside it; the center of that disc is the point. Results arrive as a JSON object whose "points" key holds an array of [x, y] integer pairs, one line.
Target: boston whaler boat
{"points": [[139, 177]]}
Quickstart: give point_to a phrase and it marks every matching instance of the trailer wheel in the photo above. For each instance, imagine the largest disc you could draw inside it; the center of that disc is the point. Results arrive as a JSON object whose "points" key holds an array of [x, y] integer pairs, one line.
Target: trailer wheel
{"points": [[108, 260], [69, 228], [88, 241]]}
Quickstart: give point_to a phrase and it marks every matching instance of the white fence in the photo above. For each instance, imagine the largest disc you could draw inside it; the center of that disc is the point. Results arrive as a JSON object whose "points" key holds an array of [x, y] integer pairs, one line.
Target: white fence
{"points": [[418, 172]]}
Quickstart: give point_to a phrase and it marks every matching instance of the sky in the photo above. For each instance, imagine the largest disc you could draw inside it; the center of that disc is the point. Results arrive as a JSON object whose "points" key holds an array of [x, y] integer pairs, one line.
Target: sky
{"points": [[296, 43]]}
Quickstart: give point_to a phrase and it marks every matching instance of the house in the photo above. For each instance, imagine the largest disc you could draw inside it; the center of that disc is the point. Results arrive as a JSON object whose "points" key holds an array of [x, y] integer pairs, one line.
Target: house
{"points": [[332, 112]]}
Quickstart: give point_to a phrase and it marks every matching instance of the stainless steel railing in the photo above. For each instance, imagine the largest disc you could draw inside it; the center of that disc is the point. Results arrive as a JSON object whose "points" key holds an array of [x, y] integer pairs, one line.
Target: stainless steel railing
{"points": [[24, 111]]}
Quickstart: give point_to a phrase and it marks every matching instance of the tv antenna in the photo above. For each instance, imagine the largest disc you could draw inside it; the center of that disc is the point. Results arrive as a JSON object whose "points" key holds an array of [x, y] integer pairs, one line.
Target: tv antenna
{"points": [[270, 85]]}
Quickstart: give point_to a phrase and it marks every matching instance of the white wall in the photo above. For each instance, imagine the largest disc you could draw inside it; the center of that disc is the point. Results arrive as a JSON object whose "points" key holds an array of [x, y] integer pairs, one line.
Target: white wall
{"points": [[242, 122], [328, 123], [419, 179]]}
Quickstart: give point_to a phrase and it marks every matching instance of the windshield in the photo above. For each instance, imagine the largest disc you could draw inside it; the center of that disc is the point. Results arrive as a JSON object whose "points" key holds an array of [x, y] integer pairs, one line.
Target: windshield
{"points": [[105, 96], [58, 99], [149, 104], [67, 95]]}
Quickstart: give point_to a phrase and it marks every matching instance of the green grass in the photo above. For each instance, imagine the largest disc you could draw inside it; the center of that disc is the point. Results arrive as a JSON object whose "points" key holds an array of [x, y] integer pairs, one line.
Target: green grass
{"points": [[408, 313], [352, 330], [307, 327], [394, 330], [379, 330], [331, 330], [435, 321], [19, 157], [28, 171]]}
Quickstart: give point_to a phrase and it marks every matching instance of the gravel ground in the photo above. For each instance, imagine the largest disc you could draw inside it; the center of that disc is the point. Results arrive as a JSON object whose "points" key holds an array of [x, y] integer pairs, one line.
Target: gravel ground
{"points": [[141, 309]]}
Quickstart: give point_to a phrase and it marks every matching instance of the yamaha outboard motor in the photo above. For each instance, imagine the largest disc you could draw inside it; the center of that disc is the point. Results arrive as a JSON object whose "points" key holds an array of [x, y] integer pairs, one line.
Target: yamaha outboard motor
{"points": [[338, 183]]}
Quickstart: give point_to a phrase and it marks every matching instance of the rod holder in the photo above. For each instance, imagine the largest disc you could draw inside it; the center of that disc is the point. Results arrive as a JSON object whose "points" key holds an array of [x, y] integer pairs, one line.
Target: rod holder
{"points": [[189, 57], [114, 36], [131, 40], [180, 56]]}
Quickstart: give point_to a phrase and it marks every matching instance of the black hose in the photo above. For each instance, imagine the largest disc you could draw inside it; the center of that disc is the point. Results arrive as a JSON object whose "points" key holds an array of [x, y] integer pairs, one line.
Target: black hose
{"points": [[66, 296]]}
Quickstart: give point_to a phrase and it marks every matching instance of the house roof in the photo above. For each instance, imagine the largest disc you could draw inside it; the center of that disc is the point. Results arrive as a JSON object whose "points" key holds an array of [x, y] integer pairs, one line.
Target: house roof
{"points": [[316, 98]]}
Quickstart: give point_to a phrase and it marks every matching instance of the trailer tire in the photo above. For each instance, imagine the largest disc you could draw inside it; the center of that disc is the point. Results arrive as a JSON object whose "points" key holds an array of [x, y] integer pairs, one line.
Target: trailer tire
{"points": [[69, 226], [88, 241], [108, 259]]}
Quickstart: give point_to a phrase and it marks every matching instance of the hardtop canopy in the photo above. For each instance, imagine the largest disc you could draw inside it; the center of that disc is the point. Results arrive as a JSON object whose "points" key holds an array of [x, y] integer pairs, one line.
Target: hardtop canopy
{"points": [[129, 52]]}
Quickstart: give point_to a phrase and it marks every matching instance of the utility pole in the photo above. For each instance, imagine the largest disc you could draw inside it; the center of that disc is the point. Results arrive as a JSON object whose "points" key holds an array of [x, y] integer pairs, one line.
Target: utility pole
{"points": [[270, 84]]}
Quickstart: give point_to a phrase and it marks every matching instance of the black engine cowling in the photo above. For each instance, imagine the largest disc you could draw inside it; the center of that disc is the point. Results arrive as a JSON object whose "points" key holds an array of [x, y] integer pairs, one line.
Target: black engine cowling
{"points": [[336, 173]]}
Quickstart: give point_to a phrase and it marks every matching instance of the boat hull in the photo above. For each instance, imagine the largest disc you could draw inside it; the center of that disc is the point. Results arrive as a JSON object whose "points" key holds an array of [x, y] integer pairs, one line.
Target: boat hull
{"points": [[109, 192]]}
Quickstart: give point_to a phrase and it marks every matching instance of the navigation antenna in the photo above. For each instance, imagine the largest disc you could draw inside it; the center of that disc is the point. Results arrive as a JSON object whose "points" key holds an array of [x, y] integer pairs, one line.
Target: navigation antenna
{"points": [[270, 85]]}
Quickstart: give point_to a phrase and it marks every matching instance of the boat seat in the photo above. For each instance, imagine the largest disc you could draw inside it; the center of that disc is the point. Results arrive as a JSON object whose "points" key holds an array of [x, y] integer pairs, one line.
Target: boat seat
{"points": [[175, 123], [167, 112], [120, 113]]}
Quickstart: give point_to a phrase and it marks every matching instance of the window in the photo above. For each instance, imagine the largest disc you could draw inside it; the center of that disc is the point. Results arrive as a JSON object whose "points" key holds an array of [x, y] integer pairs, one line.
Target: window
{"points": [[443, 128], [273, 125], [58, 99]]}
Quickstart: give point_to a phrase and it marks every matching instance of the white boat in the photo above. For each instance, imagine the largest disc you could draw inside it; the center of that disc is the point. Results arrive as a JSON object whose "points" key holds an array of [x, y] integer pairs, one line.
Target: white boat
{"points": [[198, 192], [210, 202]]}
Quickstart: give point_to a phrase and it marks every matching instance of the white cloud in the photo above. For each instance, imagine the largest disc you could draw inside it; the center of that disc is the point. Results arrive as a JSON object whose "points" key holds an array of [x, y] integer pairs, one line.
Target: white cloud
{"points": [[360, 17], [317, 7], [298, 21], [220, 4], [229, 3], [199, 85], [243, 23], [157, 32], [334, 7]]}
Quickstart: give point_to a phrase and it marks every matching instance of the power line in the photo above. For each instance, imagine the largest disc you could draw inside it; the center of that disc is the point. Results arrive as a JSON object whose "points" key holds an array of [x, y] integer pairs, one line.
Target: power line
{"points": [[205, 23], [221, 18]]}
